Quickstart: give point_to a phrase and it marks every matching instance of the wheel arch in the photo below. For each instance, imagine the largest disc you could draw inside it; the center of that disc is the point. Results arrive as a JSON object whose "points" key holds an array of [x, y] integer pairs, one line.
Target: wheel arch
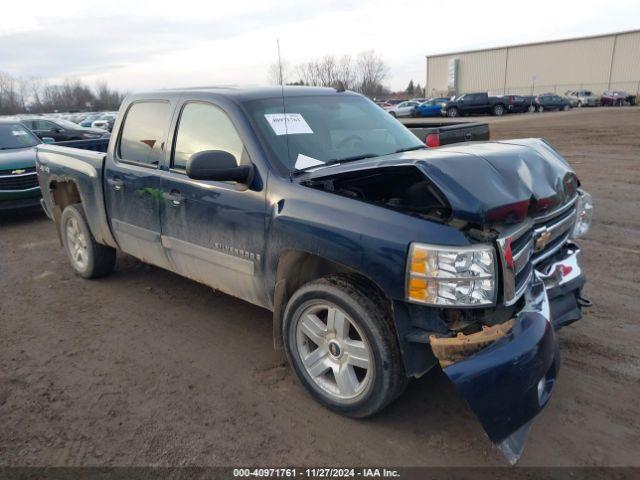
{"points": [[64, 192], [297, 267]]}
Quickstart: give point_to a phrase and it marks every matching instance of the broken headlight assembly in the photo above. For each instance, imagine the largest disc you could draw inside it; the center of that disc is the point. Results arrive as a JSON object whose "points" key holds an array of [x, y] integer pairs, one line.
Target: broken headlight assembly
{"points": [[584, 215], [451, 276]]}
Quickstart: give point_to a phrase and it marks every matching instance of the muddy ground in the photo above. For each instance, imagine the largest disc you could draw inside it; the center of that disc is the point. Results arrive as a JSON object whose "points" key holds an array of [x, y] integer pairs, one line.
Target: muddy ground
{"points": [[147, 368]]}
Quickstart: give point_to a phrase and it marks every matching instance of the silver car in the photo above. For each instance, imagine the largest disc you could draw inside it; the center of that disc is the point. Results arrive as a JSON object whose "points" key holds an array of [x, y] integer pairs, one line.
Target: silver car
{"points": [[582, 98], [404, 109]]}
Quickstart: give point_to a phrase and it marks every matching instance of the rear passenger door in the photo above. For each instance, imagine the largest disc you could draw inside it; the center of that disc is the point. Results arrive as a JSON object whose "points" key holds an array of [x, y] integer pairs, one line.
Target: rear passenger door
{"points": [[213, 232], [132, 184]]}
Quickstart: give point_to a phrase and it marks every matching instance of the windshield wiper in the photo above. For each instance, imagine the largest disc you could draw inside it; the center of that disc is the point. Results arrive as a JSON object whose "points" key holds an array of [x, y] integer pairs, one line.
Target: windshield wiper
{"points": [[409, 149], [336, 161]]}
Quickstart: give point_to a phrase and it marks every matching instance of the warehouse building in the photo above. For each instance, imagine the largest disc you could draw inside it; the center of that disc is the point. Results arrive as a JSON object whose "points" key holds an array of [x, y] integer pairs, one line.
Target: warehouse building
{"points": [[596, 63]]}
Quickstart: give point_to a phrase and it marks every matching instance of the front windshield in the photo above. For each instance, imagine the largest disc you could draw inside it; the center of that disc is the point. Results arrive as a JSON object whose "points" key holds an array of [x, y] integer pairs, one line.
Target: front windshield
{"points": [[327, 128], [14, 135]]}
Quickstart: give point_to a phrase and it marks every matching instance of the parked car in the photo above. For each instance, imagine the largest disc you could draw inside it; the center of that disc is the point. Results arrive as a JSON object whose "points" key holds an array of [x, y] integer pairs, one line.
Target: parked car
{"points": [[550, 101], [474, 104], [61, 130], [105, 121], [88, 120], [435, 134], [519, 103], [380, 258], [582, 98], [430, 108], [616, 98], [403, 109], [18, 183]]}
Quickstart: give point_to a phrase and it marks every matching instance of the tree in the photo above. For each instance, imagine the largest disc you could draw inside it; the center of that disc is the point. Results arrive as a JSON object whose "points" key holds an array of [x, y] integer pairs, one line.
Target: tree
{"points": [[364, 75], [419, 92], [410, 90]]}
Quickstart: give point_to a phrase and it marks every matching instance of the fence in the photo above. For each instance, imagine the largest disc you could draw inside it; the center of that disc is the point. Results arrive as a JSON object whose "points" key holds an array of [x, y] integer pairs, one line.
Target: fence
{"points": [[632, 87]]}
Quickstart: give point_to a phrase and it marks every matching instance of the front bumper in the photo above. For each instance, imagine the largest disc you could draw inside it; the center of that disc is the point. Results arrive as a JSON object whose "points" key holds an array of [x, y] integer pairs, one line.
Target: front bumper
{"points": [[510, 381]]}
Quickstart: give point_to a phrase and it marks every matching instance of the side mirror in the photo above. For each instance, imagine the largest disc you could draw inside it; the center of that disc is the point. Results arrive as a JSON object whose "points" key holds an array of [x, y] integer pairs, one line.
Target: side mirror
{"points": [[219, 166], [48, 140]]}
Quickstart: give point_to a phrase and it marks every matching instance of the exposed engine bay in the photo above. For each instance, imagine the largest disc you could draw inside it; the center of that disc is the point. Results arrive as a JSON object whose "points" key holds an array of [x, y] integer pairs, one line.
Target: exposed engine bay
{"points": [[403, 188]]}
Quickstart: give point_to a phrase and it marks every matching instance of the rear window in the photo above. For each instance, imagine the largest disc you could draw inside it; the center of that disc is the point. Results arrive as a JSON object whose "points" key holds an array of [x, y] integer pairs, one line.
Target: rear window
{"points": [[142, 139]]}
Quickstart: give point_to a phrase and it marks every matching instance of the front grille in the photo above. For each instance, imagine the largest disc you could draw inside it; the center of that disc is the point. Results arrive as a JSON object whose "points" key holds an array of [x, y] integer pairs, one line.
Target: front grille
{"points": [[531, 244], [22, 181]]}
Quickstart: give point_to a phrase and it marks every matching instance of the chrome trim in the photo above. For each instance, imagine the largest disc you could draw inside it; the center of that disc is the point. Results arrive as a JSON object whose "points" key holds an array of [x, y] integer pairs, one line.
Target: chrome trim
{"points": [[553, 275], [511, 293], [557, 211], [37, 187], [17, 175]]}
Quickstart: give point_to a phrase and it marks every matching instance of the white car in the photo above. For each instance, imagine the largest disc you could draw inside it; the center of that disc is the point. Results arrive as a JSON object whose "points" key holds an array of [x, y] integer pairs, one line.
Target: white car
{"points": [[404, 109]]}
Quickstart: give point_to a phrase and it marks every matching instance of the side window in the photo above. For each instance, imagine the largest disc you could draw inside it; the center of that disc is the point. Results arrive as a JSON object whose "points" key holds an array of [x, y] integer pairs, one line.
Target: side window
{"points": [[205, 127], [143, 132], [45, 126]]}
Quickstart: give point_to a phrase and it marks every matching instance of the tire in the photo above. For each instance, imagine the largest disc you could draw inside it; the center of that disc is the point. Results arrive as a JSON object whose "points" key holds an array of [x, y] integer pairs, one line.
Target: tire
{"points": [[531, 109], [498, 110], [452, 112], [540, 108], [88, 258], [566, 108], [334, 371], [579, 104], [393, 114]]}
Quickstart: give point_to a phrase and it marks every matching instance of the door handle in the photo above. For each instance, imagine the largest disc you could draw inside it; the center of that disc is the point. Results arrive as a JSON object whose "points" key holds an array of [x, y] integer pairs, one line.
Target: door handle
{"points": [[174, 198], [116, 183]]}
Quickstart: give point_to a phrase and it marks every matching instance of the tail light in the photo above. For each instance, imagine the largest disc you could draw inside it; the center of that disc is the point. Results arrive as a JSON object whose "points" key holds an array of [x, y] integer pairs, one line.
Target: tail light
{"points": [[432, 140]]}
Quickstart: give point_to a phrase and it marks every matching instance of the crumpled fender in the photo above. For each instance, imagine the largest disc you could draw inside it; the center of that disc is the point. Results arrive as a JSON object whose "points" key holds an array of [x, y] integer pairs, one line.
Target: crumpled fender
{"points": [[509, 383]]}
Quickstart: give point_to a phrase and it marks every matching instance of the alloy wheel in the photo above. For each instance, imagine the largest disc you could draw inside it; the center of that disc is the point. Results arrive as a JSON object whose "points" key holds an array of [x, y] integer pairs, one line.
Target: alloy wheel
{"points": [[334, 351], [77, 245]]}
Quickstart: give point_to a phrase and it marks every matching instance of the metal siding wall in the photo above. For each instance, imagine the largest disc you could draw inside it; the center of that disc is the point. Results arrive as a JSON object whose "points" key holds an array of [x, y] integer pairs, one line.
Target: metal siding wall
{"points": [[559, 66], [625, 74], [476, 72]]}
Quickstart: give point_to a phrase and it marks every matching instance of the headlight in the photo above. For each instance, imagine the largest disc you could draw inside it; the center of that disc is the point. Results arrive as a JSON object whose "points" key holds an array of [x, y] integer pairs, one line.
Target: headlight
{"points": [[584, 215], [450, 276]]}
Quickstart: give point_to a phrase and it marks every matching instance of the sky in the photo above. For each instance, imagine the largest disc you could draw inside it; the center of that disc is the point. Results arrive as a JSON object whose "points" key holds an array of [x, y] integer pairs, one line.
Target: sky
{"points": [[142, 45]]}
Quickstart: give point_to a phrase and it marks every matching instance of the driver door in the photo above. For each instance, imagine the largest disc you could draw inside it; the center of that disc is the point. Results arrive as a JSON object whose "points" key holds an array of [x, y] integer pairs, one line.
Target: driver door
{"points": [[213, 232]]}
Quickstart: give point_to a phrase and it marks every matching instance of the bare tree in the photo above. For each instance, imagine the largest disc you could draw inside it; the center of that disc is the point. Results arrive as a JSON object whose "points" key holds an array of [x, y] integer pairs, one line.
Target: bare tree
{"points": [[372, 71], [365, 75]]}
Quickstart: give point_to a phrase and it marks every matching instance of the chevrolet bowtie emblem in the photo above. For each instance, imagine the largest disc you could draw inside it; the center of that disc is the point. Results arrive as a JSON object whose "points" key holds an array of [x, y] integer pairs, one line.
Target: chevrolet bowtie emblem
{"points": [[19, 171], [543, 239]]}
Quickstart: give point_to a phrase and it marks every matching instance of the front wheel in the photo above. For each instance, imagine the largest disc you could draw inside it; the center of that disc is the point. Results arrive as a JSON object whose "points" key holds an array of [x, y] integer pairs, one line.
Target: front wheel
{"points": [[566, 108], [452, 112], [531, 109], [540, 108], [339, 339], [393, 114], [498, 110], [88, 258]]}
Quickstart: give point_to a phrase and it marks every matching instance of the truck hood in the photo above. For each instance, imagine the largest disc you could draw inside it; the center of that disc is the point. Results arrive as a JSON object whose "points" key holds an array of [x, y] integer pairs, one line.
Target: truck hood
{"points": [[485, 182], [17, 158]]}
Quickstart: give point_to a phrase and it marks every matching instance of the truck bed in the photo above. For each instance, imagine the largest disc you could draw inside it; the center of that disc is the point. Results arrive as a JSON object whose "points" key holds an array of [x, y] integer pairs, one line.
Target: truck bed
{"points": [[59, 166], [448, 133]]}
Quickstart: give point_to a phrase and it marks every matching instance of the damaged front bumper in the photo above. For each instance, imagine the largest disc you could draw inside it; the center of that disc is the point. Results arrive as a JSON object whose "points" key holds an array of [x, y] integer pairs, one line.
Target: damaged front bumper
{"points": [[508, 378]]}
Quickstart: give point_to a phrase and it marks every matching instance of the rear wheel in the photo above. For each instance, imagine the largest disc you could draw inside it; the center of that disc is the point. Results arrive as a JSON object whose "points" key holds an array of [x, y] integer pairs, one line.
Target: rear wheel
{"points": [[498, 110], [531, 109], [88, 258], [540, 108], [340, 342]]}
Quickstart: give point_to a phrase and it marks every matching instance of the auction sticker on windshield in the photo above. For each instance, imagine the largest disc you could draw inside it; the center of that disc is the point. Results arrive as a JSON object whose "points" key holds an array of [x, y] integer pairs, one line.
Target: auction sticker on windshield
{"points": [[288, 124]]}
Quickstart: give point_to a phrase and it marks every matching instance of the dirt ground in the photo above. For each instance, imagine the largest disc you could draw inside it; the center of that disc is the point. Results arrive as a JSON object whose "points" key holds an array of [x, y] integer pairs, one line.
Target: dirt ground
{"points": [[147, 368]]}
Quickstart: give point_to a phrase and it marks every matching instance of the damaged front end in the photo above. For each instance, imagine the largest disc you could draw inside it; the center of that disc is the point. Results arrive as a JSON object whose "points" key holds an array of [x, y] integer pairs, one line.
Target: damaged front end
{"points": [[486, 312]]}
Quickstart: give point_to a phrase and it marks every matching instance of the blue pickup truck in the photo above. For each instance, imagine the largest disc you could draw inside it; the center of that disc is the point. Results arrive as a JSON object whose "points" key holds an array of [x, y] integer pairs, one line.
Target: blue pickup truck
{"points": [[380, 258]]}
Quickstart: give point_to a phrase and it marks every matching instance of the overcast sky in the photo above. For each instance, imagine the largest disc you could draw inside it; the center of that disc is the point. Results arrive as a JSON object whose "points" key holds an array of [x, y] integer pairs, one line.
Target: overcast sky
{"points": [[136, 45]]}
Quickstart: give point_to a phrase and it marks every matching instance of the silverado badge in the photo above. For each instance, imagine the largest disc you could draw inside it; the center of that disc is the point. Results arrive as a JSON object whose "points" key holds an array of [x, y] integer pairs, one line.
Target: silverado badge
{"points": [[19, 171]]}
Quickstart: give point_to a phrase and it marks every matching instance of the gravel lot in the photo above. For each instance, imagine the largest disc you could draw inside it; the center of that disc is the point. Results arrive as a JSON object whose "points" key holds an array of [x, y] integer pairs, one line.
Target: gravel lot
{"points": [[147, 368]]}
